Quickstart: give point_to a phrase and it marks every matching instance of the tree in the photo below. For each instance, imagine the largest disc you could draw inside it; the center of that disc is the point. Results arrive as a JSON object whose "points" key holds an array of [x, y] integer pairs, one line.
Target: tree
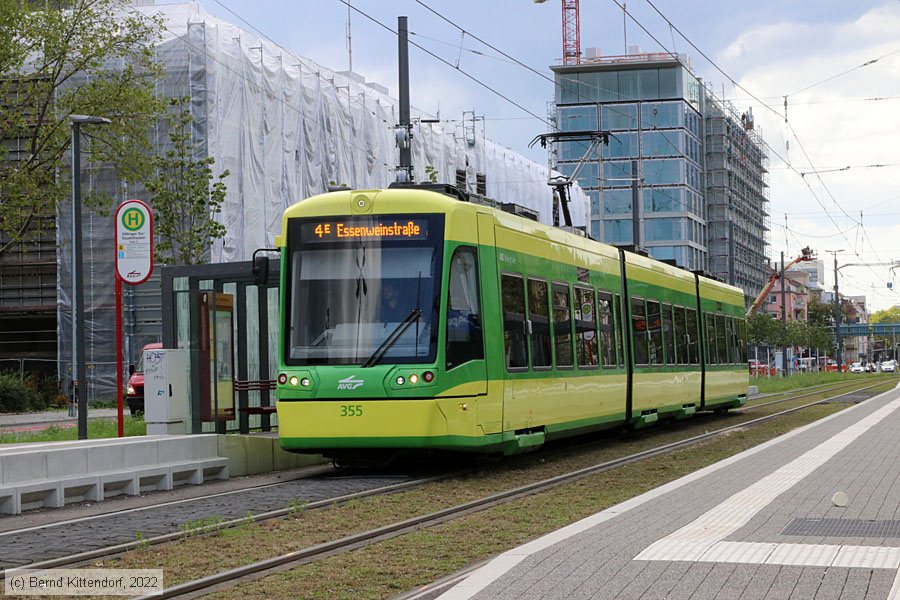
{"points": [[184, 194], [763, 330], [819, 313], [888, 315], [61, 58]]}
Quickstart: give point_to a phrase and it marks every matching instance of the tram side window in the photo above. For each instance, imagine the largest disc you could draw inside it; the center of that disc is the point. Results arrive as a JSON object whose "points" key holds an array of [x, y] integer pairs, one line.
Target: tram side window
{"points": [[562, 325], [654, 326], [619, 326], [693, 335], [586, 328], [607, 329], [736, 331], [722, 341], [681, 339], [639, 332], [464, 334], [732, 340], [668, 333], [539, 314], [742, 340], [514, 322], [712, 355]]}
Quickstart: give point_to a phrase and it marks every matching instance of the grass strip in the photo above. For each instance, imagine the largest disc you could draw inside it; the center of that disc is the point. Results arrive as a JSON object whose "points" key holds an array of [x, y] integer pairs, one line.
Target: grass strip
{"points": [[198, 555], [768, 385], [97, 428]]}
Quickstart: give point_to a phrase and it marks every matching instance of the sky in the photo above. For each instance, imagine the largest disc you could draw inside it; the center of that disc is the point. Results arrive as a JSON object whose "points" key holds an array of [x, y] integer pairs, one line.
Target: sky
{"points": [[840, 113]]}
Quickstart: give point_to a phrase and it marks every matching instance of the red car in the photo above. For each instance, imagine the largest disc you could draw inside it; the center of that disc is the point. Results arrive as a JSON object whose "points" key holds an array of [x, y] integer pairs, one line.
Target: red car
{"points": [[134, 392]]}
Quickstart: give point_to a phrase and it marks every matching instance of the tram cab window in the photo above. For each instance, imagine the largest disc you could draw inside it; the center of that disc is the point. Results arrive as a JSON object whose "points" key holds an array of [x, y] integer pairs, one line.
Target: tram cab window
{"points": [[607, 329], [464, 333], [513, 294], [681, 339], [562, 325], [668, 333], [693, 335], [640, 335], [586, 328], [654, 328], [539, 315]]}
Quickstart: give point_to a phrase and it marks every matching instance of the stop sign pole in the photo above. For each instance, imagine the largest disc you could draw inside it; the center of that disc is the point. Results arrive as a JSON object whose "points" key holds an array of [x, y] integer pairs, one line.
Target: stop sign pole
{"points": [[134, 265]]}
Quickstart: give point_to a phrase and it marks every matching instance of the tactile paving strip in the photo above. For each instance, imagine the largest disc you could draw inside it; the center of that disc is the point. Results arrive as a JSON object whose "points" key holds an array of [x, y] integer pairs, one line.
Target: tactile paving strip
{"points": [[843, 528]]}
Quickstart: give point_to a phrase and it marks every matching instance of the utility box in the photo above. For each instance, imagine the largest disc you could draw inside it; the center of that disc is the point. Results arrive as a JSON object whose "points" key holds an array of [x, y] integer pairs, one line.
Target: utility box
{"points": [[165, 391]]}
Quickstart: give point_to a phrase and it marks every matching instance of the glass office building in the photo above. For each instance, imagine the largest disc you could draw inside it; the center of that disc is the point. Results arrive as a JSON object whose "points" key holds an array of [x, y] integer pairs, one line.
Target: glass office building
{"points": [[657, 114]]}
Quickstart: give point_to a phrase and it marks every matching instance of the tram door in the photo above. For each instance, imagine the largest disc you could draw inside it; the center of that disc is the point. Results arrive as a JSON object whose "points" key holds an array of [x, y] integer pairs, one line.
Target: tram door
{"points": [[490, 406]]}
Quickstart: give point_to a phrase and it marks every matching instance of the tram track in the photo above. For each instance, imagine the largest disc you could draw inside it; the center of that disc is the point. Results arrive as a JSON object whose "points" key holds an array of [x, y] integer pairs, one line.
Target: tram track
{"points": [[316, 552], [816, 390], [102, 521], [107, 551]]}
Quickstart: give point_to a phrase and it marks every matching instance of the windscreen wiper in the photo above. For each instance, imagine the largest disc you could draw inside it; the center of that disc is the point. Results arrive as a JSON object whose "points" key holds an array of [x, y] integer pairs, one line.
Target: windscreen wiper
{"points": [[391, 339]]}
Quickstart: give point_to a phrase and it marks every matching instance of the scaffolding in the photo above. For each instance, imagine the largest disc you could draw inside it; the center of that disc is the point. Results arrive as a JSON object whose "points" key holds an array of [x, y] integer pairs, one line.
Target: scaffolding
{"points": [[27, 268], [737, 197]]}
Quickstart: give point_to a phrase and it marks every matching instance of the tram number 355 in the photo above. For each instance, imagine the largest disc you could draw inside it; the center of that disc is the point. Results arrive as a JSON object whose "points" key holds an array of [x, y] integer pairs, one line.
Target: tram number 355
{"points": [[351, 410]]}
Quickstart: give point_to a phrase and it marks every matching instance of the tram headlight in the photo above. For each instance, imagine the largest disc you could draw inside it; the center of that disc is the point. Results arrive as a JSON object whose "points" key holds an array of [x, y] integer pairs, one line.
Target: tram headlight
{"points": [[428, 376], [413, 378], [401, 380], [282, 379], [305, 382], [294, 380]]}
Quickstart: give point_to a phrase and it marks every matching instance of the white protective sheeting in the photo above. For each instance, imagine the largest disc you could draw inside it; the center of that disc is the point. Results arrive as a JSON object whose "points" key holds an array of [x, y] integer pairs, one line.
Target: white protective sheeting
{"points": [[286, 127]]}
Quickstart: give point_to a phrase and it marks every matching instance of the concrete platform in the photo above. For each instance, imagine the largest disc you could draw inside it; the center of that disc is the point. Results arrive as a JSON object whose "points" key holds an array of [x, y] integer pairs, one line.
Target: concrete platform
{"points": [[762, 524], [52, 474]]}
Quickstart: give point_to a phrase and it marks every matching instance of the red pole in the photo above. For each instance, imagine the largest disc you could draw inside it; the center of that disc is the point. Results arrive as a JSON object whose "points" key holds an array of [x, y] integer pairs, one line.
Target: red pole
{"points": [[119, 383]]}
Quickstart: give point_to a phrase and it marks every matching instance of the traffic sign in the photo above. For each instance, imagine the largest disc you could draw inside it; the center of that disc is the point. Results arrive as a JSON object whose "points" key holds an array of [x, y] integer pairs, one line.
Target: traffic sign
{"points": [[134, 242]]}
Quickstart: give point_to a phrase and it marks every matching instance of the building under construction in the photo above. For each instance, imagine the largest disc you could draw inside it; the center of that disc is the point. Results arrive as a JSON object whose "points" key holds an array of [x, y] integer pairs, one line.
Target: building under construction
{"points": [[286, 128], [736, 196]]}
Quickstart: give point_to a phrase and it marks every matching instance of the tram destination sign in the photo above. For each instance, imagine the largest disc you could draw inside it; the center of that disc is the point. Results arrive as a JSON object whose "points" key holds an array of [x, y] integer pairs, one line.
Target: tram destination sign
{"points": [[134, 242], [389, 227]]}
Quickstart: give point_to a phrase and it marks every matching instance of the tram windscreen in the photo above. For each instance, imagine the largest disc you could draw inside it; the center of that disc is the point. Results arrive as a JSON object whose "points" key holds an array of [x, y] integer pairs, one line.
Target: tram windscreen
{"points": [[352, 298]]}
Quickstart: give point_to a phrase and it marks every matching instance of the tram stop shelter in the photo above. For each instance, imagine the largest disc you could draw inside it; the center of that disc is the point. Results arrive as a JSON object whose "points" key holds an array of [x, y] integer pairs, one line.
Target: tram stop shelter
{"points": [[226, 318]]}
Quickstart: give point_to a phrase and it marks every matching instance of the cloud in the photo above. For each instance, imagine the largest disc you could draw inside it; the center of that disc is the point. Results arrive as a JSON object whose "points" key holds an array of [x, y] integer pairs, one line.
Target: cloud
{"points": [[836, 130]]}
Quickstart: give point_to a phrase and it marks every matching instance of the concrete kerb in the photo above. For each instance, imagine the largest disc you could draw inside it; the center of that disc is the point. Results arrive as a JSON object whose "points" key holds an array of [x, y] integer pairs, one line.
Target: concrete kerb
{"points": [[55, 473], [254, 454]]}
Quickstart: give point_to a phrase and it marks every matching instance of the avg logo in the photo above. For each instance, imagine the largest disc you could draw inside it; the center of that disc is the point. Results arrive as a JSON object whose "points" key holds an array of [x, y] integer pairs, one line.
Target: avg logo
{"points": [[133, 219]]}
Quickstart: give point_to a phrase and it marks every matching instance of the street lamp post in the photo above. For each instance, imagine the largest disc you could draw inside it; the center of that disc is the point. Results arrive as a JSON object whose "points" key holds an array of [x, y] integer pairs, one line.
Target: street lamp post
{"points": [[837, 312], [79, 369]]}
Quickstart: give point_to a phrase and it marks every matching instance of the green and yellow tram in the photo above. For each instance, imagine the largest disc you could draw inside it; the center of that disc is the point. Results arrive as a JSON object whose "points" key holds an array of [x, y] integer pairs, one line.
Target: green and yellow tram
{"points": [[414, 320]]}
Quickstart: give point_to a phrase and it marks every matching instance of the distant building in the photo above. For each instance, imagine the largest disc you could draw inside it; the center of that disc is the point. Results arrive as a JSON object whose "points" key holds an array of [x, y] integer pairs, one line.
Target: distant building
{"points": [[856, 348], [796, 296], [701, 167], [815, 269]]}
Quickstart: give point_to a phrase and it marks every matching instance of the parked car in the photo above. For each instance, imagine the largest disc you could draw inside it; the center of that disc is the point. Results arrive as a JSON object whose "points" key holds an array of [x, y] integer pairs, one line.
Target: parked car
{"points": [[134, 393], [889, 366], [857, 368]]}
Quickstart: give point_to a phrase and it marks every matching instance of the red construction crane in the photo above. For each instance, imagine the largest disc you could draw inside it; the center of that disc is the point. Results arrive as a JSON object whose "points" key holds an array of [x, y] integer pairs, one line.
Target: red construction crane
{"points": [[571, 30], [805, 254]]}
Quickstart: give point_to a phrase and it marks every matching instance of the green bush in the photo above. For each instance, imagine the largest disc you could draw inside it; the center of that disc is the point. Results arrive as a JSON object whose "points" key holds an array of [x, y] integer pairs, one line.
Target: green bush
{"points": [[16, 395]]}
